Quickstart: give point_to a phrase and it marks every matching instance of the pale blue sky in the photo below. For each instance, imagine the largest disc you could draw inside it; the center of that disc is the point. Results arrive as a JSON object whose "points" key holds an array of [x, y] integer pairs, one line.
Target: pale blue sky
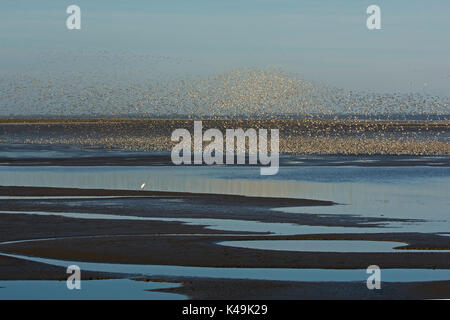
{"points": [[324, 41]]}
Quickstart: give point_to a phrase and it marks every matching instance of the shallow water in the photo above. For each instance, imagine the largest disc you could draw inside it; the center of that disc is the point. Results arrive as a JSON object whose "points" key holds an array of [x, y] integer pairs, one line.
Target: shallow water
{"points": [[323, 245], [276, 228], [282, 274], [394, 192], [220, 224], [110, 289], [420, 193], [69, 197]]}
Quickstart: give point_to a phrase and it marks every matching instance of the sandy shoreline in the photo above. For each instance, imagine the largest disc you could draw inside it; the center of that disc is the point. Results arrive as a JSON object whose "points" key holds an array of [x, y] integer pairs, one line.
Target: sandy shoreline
{"points": [[225, 289], [169, 237], [230, 289], [178, 244]]}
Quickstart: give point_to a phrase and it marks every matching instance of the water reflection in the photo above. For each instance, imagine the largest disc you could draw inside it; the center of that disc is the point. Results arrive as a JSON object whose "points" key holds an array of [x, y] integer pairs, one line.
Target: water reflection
{"points": [[281, 274], [324, 245], [276, 228], [111, 289], [393, 192]]}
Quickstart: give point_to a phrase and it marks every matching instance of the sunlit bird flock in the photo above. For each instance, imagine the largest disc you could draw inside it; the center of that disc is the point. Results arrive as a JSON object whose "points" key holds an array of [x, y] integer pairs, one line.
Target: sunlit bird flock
{"points": [[134, 101]]}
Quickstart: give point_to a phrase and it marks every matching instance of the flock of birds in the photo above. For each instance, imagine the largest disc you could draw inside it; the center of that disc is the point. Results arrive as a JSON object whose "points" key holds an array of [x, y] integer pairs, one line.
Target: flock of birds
{"points": [[312, 118], [349, 137], [241, 93]]}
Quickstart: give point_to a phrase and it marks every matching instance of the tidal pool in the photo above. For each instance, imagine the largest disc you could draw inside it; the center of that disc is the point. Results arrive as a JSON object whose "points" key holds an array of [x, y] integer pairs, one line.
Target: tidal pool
{"points": [[281, 274], [277, 228], [403, 192], [324, 245], [110, 289]]}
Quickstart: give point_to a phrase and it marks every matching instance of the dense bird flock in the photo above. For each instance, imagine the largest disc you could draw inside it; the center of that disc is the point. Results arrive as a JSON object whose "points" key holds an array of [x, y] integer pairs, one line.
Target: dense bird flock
{"points": [[312, 118], [242, 93]]}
